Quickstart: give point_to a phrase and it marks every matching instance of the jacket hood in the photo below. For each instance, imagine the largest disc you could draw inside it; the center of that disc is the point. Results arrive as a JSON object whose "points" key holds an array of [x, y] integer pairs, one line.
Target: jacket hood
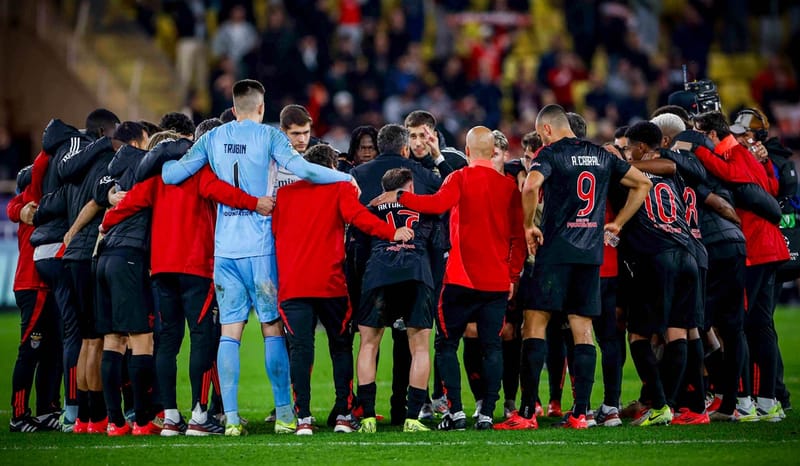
{"points": [[126, 158], [774, 147], [56, 133]]}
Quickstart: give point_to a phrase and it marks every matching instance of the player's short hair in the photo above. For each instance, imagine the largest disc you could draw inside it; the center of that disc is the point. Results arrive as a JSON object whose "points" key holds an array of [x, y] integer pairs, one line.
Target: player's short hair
{"points": [[322, 154], [673, 109], [227, 116], [248, 94], [713, 121], [294, 115], [532, 141], [620, 132], [645, 132], [99, 119], [577, 124], [162, 136], [150, 128], [419, 118], [392, 138], [178, 122], [206, 126], [670, 124], [553, 115], [396, 178], [500, 140], [129, 131]]}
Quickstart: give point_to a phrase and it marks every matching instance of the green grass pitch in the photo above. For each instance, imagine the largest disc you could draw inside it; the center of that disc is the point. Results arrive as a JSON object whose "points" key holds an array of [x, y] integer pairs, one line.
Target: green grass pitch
{"points": [[729, 444]]}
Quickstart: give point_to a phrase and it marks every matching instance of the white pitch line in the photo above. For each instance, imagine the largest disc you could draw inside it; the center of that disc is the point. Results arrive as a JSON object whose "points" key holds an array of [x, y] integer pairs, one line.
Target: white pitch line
{"points": [[404, 444]]}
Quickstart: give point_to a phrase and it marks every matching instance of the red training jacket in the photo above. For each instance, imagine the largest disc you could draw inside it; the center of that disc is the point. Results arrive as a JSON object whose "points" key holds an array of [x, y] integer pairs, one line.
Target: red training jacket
{"points": [[486, 235], [308, 222], [26, 277], [183, 219], [763, 240]]}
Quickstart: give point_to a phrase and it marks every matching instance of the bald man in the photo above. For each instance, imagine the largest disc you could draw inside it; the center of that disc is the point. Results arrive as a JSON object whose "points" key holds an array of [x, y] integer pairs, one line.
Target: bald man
{"points": [[575, 176], [483, 268]]}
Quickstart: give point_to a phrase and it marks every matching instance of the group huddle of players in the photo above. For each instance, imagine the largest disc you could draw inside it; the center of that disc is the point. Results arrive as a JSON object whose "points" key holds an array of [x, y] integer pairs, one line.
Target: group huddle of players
{"points": [[130, 231]]}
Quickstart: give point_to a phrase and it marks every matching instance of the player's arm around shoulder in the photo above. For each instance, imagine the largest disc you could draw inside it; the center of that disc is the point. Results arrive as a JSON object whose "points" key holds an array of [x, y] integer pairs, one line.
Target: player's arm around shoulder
{"points": [[177, 171], [354, 213]]}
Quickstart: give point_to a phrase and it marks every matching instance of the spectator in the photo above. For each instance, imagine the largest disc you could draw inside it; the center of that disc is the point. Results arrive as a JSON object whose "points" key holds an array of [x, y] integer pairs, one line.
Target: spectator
{"points": [[235, 38], [9, 155], [190, 54]]}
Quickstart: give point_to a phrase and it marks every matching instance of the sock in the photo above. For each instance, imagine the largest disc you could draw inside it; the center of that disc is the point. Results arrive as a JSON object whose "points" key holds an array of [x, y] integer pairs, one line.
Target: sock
{"points": [[511, 358], [584, 363], [127, 388], [366, 396], [416, 398], [612, 371], [97, 406], [473, 366], [673, 366], [556, 361], [172, 415], [83, 405], [277, 365], [141, 370], [647, 367], [111, 374], [714, 366], [695, 390], [228, 366], [534, 351], [70, 413]]}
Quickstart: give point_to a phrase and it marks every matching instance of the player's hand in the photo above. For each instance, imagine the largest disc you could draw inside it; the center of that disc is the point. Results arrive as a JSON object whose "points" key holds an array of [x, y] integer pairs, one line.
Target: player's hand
{"points": [[355, 183], [116, 144], [403, 234], [612, 228], [534, 239], [512, 290], [613, 149], [265, 205], [682, 146], [432, 142], [26, 214], [116, 197], [759, 152], [68, 237], [388, 197]]}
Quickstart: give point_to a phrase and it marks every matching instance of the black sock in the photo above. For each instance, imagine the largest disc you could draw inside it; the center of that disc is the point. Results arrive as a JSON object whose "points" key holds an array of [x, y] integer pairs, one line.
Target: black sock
{"points": [[511, 358], [111, 374], [83, 406], [585, 361], [695, 390], [714, 363], [556, 360], [612, 371], [97, 406], [673, 366], [416, 398], [141, 370], [647, 367], [473, 366], [534, 352], [366, 396], [127, 388]]}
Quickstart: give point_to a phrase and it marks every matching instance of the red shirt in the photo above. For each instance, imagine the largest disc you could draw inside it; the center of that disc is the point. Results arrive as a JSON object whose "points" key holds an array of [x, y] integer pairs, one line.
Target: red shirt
{"points": [[308, 222], [610, 266], [183, 221], [764, 241], [486, 235], [26, 277]]}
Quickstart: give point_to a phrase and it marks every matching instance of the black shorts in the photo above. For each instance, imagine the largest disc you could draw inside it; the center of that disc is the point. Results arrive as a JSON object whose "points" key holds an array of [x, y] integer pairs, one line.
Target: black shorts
{"points": [[125, 297], [670, 281], [83, 283], [411, 301], [567, 288], [460, 305]]}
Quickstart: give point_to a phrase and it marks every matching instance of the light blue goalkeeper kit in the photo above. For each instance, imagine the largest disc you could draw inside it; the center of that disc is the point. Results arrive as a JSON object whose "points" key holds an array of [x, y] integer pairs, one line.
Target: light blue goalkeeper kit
{"points": [[247, 155]]}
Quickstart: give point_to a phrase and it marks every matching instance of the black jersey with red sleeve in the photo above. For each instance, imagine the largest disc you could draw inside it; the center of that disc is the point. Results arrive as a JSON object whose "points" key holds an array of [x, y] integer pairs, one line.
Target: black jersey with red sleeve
{"points": [[577, 177], [395, 262], [660, 223]]}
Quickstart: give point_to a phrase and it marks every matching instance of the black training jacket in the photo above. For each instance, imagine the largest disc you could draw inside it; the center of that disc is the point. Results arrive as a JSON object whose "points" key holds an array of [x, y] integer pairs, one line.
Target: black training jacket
{"points": [[133, 232]]}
